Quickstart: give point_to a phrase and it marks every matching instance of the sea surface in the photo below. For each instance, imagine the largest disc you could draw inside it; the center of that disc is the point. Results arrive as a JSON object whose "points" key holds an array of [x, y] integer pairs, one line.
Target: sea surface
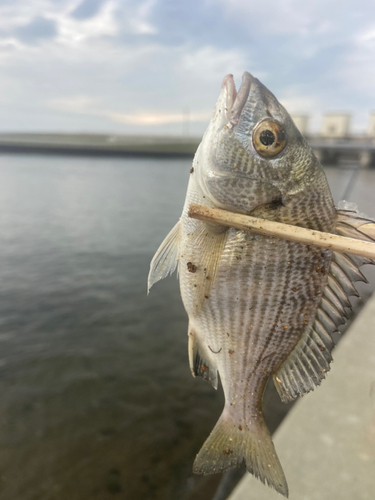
{"points": [[97, 400]]}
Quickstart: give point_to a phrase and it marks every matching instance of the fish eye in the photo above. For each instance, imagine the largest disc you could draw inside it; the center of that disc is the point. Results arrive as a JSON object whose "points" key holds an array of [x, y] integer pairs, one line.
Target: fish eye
{"points": [[268, 138]]}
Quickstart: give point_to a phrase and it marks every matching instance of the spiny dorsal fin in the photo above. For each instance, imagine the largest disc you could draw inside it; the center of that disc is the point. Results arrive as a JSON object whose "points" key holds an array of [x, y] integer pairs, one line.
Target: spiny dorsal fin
{"points": [[199, 360], [345, 267], [165, 259], [310, 360]]}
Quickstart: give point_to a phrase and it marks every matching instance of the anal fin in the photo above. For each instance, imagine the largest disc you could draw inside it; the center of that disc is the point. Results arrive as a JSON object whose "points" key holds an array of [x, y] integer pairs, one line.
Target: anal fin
{"points": [[199, 360]]}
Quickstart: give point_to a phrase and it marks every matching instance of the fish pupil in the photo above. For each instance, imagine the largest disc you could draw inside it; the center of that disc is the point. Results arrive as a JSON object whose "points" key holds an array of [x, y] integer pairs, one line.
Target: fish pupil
{"points": [[267, 137]]}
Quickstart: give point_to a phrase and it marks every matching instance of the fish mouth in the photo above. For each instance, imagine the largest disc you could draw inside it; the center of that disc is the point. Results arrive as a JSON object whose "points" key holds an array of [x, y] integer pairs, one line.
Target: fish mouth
{"points": [[236, 100]]}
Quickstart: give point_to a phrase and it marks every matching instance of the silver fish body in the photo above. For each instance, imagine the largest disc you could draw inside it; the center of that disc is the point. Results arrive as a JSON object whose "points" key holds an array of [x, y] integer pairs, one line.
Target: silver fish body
{"points": [[257, 305]]}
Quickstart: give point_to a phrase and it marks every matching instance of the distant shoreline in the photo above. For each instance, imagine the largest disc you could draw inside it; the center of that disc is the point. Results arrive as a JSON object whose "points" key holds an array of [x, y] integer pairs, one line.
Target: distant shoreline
{"points": [[361, 150], [98, 145], [85, 151]]}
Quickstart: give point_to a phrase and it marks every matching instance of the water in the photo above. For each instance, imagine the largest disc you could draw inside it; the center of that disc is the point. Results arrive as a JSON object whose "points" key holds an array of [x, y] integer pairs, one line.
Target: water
{"points": [[96, 394], [97, 399]]}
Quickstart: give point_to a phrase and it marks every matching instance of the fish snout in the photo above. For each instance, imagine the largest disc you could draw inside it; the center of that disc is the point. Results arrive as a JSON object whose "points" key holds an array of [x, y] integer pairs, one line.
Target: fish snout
{"points": [[236, 101]]}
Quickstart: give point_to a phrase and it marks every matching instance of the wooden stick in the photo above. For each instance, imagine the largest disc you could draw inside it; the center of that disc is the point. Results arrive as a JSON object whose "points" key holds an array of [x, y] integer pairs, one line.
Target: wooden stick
{"points": [[368, 229], [286, 231]]}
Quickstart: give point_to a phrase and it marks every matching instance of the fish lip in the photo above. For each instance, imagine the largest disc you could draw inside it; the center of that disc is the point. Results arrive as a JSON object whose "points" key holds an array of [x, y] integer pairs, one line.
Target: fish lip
{"points": [[229, 84], [238, 103]]}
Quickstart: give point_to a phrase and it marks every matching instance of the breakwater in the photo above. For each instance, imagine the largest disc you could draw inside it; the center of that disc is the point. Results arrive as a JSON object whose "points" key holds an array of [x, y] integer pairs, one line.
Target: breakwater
{"points": [[329, 150]]}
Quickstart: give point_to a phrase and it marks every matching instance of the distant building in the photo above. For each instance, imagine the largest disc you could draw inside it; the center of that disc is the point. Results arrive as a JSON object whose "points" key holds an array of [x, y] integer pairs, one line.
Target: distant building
{"points": [[371, 126], [336, 125], [301, 122]]}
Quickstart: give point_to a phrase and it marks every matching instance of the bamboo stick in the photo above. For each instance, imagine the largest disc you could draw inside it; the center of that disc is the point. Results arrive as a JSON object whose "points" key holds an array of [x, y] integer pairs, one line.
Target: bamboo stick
{"points": [[286, 231]]}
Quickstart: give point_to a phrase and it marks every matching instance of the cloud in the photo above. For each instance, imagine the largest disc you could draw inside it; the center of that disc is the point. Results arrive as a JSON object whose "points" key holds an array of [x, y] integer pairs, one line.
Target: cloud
{"points": [[38, 28], [141, 64], [160, 118], [39, 20], [101, 22], [279, 17], [358, 70], [140, 21], [210, 63], [80, 104], [86, 105], [87, 9]]}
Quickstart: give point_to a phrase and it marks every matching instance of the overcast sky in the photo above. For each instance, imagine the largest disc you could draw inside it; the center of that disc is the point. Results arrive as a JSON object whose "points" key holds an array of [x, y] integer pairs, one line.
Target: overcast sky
{"points": [[134, 66]]}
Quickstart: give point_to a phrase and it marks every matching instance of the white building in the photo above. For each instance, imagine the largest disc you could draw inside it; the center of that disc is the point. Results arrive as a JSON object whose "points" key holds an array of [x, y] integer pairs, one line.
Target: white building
{"points": [[371, 125], [336, 125], [301, 122]]}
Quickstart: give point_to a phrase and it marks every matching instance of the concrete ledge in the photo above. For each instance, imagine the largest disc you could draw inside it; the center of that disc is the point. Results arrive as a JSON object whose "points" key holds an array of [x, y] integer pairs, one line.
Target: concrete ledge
{"points": [[98, 145], [329, 150], [326, 444]]}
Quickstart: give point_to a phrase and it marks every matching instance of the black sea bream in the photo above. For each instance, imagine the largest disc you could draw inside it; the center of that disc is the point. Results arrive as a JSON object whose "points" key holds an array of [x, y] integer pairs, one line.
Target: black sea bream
{"points": [[258, 306]]}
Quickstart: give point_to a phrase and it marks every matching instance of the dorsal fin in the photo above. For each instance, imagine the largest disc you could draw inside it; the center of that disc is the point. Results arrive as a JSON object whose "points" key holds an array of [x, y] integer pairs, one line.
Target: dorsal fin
{"points": [[310, 360], [165, 259], [307, 365]]}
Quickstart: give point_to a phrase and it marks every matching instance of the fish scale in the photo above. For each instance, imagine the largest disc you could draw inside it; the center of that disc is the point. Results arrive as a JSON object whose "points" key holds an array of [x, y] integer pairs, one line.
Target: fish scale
{"points": [[258, 306], [251, 316]]}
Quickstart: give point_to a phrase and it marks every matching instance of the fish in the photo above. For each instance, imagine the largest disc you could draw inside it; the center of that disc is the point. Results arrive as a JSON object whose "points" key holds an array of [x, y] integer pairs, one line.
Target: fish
{"points": [[258, 307]]}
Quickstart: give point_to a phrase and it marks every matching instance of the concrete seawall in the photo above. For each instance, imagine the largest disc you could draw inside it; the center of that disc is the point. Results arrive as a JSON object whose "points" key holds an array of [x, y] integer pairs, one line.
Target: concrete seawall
{"points": [[330, 151], [98, 145]]}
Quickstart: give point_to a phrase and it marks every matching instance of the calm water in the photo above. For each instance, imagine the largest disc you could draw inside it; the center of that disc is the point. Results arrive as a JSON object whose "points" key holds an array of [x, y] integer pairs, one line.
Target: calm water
{"points": [[97, 399]]}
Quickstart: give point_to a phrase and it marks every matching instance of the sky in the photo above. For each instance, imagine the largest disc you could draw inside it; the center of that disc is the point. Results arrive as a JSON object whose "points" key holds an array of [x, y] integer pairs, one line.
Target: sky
{"points": [[156, 66]]}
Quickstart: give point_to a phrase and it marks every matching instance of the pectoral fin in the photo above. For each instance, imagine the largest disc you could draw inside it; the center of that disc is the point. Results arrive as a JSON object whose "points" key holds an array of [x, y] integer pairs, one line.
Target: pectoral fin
{"points": [[210, 241], [166, 258]]}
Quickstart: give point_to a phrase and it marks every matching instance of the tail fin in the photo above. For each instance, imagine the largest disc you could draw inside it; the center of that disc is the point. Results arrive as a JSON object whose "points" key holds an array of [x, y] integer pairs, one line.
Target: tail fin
{"points": [[229, 445]]}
